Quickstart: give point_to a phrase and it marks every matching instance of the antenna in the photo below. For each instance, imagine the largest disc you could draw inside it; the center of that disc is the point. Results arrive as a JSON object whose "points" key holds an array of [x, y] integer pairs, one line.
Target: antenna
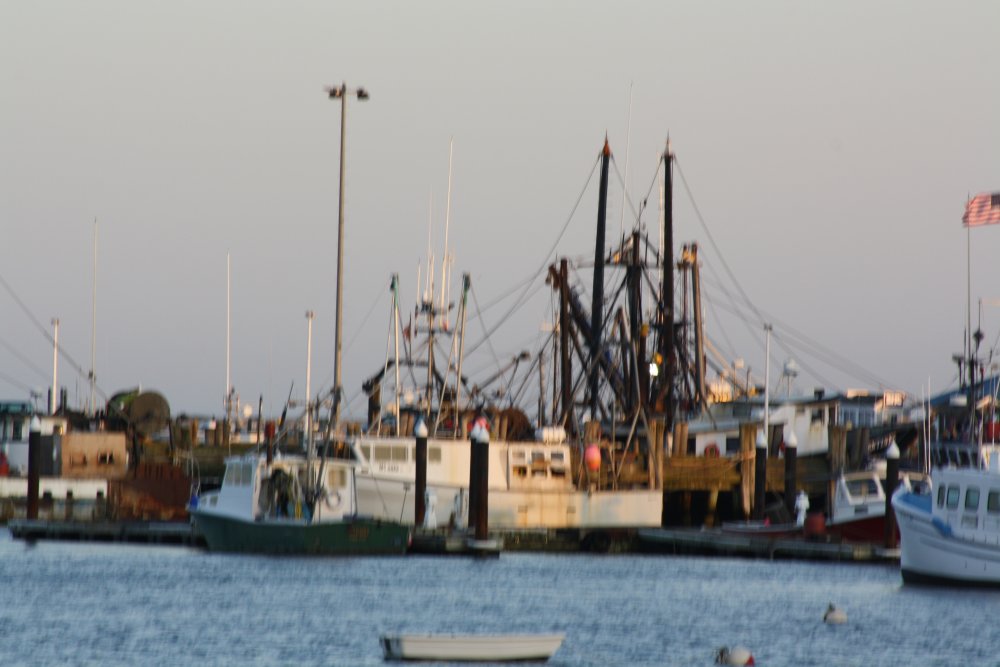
{"points": [[229, 386], [93, 330], [447, 225], [628, 138]]}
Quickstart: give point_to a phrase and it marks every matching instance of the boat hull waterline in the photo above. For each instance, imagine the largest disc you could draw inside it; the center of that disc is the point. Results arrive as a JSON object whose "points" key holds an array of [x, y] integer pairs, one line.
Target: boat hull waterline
{"points": [[358, 536]]}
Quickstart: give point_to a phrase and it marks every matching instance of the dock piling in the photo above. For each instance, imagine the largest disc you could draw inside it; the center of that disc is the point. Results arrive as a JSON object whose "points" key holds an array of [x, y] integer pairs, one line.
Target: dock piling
{"points": [[34, 466], [420, 431]]}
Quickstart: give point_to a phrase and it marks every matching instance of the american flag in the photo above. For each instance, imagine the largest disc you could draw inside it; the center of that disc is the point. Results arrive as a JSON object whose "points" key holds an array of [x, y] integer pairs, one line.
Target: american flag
{"points": [[983, 209]]}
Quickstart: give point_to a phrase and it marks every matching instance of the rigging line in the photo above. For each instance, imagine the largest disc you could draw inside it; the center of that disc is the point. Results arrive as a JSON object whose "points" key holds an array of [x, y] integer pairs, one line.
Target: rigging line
{"points": [[813, 347], [378, 300], [711, 240], [486, 334], [522, 301], [545, 262], [750, 329], [27, 362], [48, 336], [780, 342], [621, 181], [15, 383], [506, 294], [827, 360]]}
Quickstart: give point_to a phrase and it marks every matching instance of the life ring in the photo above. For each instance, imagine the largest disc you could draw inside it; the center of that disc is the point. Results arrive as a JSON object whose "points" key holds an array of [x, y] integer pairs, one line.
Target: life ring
{"points": [[711, 451]]}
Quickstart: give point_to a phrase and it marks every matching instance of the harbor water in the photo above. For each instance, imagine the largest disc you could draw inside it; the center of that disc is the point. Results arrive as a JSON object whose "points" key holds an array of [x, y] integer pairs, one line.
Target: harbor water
{"points": [[113, 604]]}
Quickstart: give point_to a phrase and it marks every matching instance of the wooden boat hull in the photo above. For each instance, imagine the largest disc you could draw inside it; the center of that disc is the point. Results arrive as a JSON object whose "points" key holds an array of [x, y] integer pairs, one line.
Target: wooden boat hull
{"points": [[471, 648], [351, 536]]}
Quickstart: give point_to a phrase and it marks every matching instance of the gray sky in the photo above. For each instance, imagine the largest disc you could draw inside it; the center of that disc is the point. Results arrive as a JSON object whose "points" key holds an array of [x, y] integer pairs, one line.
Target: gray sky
{"points": [[830, 148]]}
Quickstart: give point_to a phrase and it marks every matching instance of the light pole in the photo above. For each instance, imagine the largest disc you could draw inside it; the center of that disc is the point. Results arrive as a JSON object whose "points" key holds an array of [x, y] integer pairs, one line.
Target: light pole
{"points": [[341, 92]]}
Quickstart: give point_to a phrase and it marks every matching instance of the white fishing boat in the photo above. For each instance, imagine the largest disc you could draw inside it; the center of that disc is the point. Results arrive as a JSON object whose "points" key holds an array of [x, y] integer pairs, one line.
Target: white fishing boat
{"points": [[530, 486], [471, 648], [952, 535]]}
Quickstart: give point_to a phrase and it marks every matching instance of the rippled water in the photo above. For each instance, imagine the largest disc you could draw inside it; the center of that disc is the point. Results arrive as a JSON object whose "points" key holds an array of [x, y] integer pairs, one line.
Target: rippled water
{"points": [[111, 604]]}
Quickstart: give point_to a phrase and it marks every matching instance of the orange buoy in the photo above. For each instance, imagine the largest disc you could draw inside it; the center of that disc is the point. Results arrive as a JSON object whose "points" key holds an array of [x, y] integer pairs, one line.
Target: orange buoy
{"points": [[592, 457]]}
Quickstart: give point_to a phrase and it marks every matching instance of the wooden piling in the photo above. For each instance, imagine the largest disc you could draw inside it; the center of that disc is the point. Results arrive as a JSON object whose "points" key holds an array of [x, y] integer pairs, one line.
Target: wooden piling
{"points": [[481, 472], [891, 481], [419, 504], [34, 466], [791, 461], [760, 479], [748, 433]]}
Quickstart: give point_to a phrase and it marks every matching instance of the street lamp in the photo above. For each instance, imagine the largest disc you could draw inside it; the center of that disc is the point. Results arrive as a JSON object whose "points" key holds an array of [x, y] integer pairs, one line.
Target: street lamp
{"points": [[342, 92]]}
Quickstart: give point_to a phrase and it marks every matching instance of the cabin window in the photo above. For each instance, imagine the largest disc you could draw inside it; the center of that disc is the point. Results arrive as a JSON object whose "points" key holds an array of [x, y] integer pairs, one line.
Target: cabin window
{"points": [[953, 493], [557, 456], [972, 499], [732, 446], [399, 452], [940, 496], [336, 478], [434, 455], [518, 455], [382, 453], [231, 474], [366, 451], [993, 502], [538, 457]]}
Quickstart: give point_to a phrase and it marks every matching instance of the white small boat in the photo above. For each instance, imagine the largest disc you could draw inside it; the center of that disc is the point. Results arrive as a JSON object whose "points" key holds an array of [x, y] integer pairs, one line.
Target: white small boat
{"points": [[471, 648]]}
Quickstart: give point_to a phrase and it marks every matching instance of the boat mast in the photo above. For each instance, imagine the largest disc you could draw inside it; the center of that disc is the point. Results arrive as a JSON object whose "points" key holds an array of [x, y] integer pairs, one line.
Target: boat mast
{"points": [[227, 400], [93, 330], [308, 418], [341, 92], [668, 356], [597, 305], [466, 285], [395, 334]]}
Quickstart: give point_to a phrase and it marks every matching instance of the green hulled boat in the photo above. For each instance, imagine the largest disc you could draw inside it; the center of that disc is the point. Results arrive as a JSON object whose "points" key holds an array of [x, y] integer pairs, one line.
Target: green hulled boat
{"points": [[292, 505]]}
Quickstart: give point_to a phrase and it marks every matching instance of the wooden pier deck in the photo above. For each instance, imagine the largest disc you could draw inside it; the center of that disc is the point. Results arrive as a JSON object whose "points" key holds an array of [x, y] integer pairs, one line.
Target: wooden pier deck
{"points": [[148, 532], [714, 542]]}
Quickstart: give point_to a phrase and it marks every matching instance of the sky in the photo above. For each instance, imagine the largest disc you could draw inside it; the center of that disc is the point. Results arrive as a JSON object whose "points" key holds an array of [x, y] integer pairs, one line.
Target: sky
{"points": [[829, 150]]}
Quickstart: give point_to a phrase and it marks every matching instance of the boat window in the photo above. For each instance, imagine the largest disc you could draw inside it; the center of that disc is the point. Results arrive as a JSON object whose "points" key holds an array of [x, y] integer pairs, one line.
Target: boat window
{"points": [[953, 493], [231, 474], [557, 456], [247, 474], [366, 451], [382, 453], [940, 496], [993, 502], [336, 479], [972, 498], [399, 452], [537, 457], [517, 454], [434, 455], [863, 487]]}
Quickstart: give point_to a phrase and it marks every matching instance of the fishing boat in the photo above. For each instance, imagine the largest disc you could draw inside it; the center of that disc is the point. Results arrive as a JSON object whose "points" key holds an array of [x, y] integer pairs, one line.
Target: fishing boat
{"points": [[530, 485], [471, 648], [858, 509], [291, 505]]}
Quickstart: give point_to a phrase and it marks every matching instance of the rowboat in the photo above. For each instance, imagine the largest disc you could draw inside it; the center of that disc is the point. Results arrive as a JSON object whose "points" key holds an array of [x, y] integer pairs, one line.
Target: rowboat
{"points": [[471, 648]]}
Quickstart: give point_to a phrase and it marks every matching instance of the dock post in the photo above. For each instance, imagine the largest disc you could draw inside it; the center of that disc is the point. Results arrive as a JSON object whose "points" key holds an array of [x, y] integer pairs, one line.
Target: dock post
{"points": [[481, 474], [759, 476], [420, 432], [891, 481], [791, 461], [34, 464], [69, 506], [473, 470]]}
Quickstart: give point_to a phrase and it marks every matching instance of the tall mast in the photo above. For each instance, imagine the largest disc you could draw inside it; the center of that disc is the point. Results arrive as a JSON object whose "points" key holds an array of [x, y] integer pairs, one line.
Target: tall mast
{"points": [[93, 330], [309, 346], [229, 385], [54, 403], [395, 334], [447, 226], [466, 284], [342, 92], [597, 305], [667, 351]]}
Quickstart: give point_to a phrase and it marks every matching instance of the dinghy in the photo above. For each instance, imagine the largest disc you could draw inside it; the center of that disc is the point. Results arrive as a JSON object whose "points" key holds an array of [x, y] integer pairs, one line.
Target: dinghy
{"points": [[471, 648]]}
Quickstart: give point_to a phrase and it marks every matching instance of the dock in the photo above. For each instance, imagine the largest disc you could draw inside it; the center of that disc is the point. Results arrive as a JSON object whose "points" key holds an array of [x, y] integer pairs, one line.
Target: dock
{"points": [[141, 532], [714, 542]]}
